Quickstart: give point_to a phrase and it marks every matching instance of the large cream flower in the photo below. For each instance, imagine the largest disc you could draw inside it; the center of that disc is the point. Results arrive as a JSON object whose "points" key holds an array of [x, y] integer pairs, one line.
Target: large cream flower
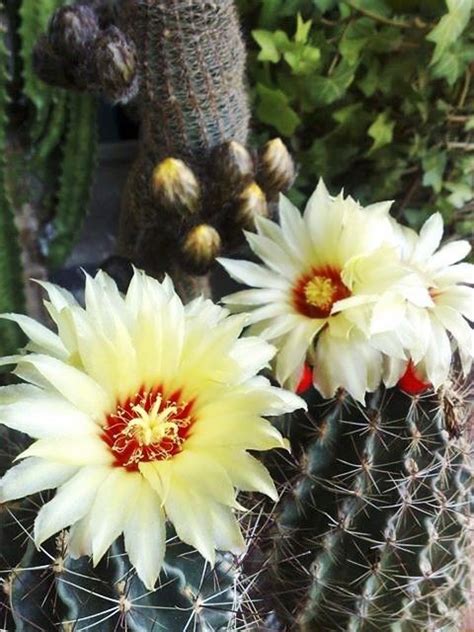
{"points": [[143, 411], [332, 285], [426, 338]]}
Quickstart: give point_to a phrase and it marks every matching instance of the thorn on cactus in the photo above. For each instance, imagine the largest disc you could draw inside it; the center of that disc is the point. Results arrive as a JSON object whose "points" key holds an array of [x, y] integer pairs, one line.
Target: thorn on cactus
{"points": [[175, 187], [276, 171], [412, 382]]}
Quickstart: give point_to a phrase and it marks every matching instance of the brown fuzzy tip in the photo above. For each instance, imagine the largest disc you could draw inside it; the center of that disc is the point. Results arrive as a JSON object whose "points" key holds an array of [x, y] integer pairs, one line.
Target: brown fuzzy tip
{"points": [[71, 30], [233, 165], [276, 171], [200, 248], [116, 61], [252, 203], [175, 187]]}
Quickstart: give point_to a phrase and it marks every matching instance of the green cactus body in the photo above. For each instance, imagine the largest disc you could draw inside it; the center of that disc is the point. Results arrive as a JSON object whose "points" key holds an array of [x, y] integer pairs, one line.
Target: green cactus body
{"points": [[372, 533], [11, 296], [48, 590]]}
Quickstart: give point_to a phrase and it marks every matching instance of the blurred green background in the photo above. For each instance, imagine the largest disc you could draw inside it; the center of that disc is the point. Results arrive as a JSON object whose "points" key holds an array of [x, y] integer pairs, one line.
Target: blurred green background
{"points": [[376, 96]]}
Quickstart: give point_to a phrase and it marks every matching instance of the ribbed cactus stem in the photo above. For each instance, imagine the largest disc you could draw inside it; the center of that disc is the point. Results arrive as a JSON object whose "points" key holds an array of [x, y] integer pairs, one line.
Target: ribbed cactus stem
{"points": [[192, 98], [372, 533], [192, 66]]}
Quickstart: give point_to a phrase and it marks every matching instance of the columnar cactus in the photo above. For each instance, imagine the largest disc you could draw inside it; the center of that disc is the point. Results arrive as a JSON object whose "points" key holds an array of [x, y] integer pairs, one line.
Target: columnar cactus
{"points": [[372, 532], [194, 184]]}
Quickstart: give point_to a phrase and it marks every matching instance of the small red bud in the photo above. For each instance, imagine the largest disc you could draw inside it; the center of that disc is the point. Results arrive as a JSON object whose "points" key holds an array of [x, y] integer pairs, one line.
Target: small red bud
{"points": [[306, 380], [412, 382]]}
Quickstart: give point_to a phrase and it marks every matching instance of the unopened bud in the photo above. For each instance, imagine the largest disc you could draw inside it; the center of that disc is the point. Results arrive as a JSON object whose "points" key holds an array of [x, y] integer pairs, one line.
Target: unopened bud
{"points": [[116, 61], [233, 165], [200, 248], [276, 171], [72, 30], [252, 203], [175, 187]]}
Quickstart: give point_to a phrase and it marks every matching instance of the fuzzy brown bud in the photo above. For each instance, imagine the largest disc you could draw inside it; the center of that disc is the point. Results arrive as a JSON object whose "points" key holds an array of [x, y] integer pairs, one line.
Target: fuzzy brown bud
{"points": [[233, 165], [116, 62], [276, 171], [252, 203], [175, 187], [200, 248], [72, 30]]}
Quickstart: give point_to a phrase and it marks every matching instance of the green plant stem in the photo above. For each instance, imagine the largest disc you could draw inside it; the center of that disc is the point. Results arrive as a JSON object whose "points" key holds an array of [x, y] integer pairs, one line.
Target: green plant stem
{"points": [[401, 24]]}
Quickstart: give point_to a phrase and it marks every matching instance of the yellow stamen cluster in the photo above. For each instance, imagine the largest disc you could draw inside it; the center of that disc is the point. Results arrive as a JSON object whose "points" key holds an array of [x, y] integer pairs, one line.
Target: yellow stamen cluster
{"points": [[319, 292]]}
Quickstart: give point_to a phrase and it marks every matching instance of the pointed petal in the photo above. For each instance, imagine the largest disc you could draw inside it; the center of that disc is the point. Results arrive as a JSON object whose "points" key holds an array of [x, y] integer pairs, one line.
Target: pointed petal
{"points": [[85, 450], [74, 385], [431, 234], [71, 503], [43, 339], [109, 513], [32, 476], [449, 254], [145, 536], [253, 274]]}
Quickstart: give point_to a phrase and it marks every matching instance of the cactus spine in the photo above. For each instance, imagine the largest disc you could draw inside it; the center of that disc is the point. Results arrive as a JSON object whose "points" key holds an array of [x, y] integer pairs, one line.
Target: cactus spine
{"points": [[372, 530]]}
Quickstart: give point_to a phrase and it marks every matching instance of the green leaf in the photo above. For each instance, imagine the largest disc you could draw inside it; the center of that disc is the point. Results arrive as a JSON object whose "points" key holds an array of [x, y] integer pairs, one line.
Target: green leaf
{"points": [[450, 26], [355, 39], [326, 90], [273, 108], [381, 131], [434, 165], [302, 29], [324, 5], [269, 50], [461, 193]]}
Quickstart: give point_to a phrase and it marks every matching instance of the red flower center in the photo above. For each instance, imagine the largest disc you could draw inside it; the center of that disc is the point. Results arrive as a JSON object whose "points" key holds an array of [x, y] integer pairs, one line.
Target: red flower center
{"points": [[148, 427], [316, 292]]}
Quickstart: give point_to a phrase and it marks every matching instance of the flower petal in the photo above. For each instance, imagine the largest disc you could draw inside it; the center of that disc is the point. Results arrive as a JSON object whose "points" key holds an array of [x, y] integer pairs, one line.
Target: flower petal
{"points": [[146, 524], [85, 450], [32, 476], [43, 339], [253, 274], [41, 414], [74, 385], [71, 503], [109, 513]]}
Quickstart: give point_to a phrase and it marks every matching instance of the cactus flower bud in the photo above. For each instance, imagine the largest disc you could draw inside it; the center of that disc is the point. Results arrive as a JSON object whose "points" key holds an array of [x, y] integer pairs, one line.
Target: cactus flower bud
{"points": [[175, 187], [200, 248], [276, 169], [116, 61], [234, 166], [72, 30], [252, 203]]}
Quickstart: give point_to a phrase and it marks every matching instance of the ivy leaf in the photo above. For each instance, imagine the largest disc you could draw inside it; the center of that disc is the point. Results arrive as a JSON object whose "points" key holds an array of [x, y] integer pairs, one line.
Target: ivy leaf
{"points": [[324, 5], [381, 131], [461, 193], [355, 39], [450, 26], [267, 43], [326, 90], [273, 108], [302, 29], [434, 165]]}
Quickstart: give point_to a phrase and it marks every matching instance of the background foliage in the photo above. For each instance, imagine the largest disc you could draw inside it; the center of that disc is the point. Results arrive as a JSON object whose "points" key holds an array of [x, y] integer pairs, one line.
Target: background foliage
{"points": [[373, 95]]}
